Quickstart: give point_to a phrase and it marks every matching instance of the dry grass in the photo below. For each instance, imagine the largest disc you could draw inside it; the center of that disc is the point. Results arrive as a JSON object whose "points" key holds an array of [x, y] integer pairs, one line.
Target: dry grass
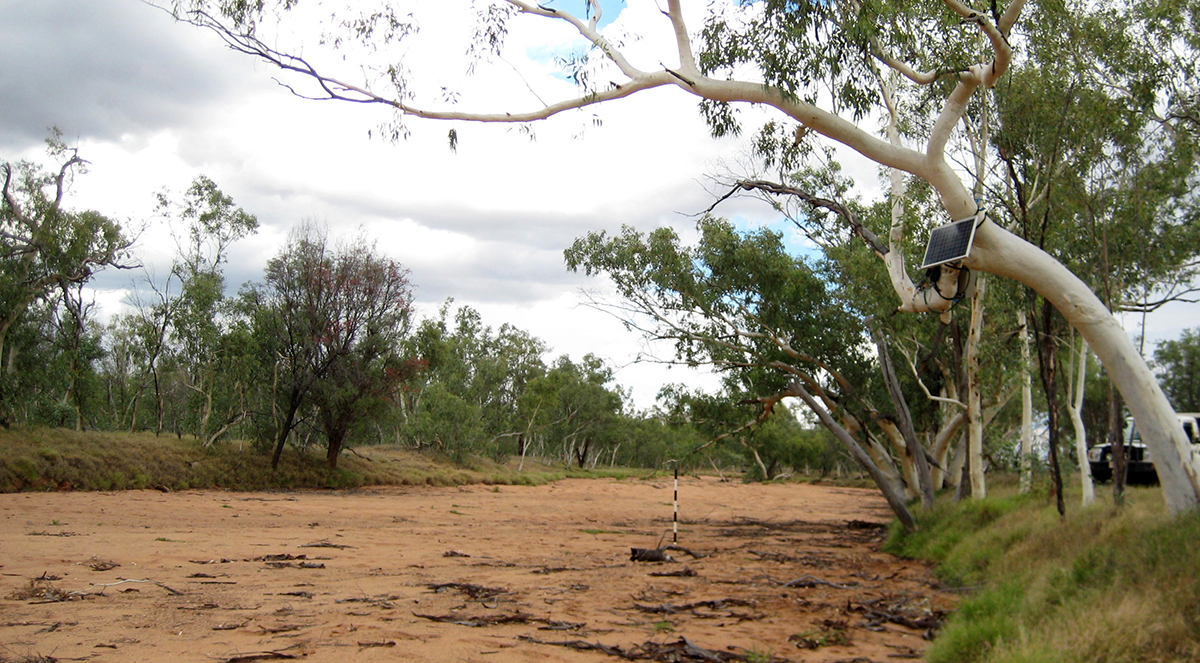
{"points": [[58, 459]]}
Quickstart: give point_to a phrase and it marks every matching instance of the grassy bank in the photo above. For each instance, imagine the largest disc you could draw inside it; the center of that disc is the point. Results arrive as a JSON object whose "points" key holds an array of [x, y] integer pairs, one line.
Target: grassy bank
{"points": [[1103, 585], [57, 459]]}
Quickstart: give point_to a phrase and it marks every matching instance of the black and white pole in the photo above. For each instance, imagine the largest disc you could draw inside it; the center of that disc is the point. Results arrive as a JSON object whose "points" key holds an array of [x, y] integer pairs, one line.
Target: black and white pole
{"points": [[675, 516]]}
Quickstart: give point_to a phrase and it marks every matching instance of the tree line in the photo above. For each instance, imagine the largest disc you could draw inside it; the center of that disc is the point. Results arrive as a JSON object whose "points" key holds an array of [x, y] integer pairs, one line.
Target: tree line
{"points": [[324, 352]]}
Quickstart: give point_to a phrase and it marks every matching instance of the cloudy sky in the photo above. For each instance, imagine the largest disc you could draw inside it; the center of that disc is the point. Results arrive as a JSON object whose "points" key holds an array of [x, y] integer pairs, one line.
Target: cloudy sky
{"points": [[152, 103]]}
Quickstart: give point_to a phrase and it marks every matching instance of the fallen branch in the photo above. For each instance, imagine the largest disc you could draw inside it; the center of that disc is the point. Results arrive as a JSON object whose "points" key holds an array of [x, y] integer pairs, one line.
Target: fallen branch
{"points": [[811, 581], [121, 581]]}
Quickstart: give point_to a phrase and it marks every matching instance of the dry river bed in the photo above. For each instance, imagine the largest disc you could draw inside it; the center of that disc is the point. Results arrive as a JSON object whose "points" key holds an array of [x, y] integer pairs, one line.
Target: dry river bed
{"points": [[479, 573]]}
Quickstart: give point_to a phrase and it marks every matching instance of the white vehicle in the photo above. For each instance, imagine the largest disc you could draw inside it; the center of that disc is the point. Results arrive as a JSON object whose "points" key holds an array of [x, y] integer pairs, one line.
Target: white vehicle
{"points": [[1140, 467]]}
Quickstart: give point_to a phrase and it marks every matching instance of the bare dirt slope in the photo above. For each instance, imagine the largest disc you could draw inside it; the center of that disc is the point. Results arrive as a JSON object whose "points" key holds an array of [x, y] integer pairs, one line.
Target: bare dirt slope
{"points": [[481, 574]]}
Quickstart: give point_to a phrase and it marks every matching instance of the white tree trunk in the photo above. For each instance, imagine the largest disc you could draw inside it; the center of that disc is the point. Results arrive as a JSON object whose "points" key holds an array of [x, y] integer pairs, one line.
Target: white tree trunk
{"points": [[908, 468], [1026, 406], [1075, 410], [942, 444], [999, 252], [974, 399]]}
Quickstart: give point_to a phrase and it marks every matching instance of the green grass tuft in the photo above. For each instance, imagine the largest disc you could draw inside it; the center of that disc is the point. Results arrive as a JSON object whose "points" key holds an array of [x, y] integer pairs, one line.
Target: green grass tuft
{"points": [[1103, 585]]}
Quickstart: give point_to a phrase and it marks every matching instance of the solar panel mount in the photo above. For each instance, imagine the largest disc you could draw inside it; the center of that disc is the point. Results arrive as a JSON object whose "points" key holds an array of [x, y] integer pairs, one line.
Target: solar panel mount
{"points": [[951, 241]]}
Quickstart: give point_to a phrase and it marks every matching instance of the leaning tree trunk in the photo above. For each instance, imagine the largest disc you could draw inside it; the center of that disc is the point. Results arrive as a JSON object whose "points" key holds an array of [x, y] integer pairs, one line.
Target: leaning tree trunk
{"points": [[1000, 252], [913, 455], [893, 493]]}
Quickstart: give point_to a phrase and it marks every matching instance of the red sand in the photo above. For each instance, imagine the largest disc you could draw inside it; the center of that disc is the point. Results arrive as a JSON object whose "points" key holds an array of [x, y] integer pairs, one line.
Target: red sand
{"points": [[556, 558]]}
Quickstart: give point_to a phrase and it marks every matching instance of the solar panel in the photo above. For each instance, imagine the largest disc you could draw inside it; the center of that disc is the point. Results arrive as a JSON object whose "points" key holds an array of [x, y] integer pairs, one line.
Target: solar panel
{"points": [[950, 242]]}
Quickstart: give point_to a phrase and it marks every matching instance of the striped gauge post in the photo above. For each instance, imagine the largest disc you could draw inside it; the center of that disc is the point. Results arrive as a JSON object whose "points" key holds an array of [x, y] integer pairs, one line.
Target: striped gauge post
{"points": [[675, 516]]}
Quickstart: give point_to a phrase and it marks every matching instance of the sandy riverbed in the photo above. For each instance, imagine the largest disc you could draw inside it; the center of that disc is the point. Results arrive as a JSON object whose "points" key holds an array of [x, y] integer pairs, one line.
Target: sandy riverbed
{"points": [[479, 574]]}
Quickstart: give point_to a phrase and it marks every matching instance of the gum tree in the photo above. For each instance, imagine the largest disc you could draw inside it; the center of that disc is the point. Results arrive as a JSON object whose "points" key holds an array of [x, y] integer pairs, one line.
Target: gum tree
{"points": [[45, 246], [816, 64], [766, 319]]}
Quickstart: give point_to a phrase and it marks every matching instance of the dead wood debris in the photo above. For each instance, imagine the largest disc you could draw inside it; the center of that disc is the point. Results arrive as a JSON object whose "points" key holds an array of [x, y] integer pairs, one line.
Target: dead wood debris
{"points": [[43, 533], [902, 610], [497, 620], [275, 560], [477, 592], [819, 560], [44, 591], [830, 632], [282, 628], [547, 570], [228, 626], [671, 652], [649, 555], [659, 554], [32, 658], [382, 643], [260, 656], [100, 564], [277, 557], [685, 572], [808, 581], [384, 602], [714, 606], [326, 544], [122, 581], [49, 626]]}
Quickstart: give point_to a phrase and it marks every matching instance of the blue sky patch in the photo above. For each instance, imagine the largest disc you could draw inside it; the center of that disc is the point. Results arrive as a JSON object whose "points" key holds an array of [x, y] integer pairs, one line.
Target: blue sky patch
{"points": [[610, 9]]}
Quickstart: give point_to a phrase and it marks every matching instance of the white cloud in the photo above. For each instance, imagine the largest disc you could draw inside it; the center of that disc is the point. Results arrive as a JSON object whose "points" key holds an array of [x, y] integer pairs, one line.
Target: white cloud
{"points": [[153, 104]]}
